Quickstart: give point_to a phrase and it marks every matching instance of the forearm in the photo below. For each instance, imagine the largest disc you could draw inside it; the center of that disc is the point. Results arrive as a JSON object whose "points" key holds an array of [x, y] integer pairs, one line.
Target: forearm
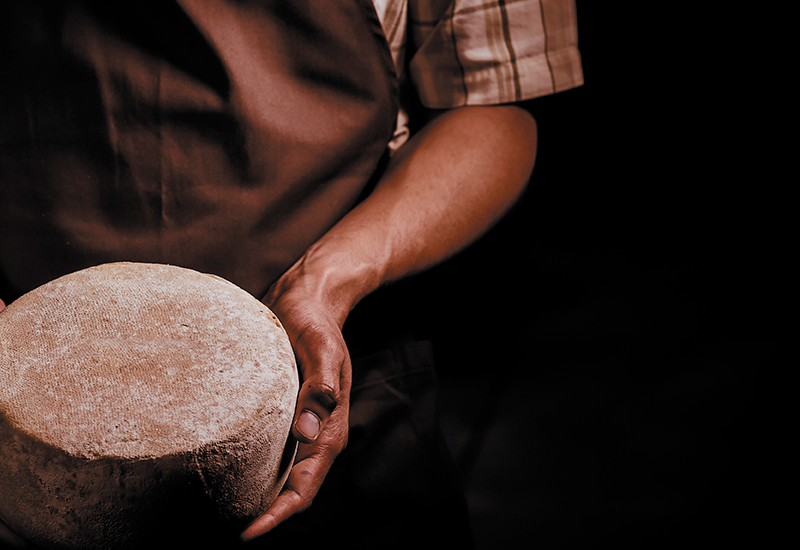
{"points": [[442, 190]]}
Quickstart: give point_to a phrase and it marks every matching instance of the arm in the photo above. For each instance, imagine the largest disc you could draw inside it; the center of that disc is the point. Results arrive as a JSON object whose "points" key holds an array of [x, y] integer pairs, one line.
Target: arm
{"points": [[442, 190]]}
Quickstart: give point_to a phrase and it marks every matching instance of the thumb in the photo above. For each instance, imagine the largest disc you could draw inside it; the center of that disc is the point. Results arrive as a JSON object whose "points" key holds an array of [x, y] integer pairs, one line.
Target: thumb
{"points": [[314, 407], [322, 361]]}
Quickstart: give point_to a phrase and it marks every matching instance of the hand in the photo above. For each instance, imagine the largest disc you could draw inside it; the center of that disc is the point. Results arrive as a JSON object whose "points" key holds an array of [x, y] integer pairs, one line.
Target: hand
{"points": [[442, 190], [2, 305], [322, 413]]}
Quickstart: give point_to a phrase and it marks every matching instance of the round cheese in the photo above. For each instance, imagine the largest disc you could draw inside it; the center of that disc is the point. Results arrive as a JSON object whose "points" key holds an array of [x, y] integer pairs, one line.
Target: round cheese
{"points": [[141, 405]]}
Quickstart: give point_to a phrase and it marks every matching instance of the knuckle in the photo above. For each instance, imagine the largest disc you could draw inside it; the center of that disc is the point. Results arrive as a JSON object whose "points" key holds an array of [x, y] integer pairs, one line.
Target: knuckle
{"points": [[325, 396], [341, 445], [333, 448], [300, 502], [305, 502], [337, 442]]}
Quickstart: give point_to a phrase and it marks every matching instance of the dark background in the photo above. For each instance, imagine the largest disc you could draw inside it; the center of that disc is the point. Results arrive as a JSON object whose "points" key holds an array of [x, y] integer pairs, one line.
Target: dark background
{"points": [[598, 359], [597, 366]]}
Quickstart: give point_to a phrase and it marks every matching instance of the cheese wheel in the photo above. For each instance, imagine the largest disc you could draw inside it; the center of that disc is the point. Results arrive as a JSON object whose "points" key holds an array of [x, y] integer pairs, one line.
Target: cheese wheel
{"points": [[141, 405]]}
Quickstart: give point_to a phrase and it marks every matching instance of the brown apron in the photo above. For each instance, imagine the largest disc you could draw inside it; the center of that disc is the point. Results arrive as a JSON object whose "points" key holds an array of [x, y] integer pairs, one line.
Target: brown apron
{"points": [[222, 135], [225, 136]]}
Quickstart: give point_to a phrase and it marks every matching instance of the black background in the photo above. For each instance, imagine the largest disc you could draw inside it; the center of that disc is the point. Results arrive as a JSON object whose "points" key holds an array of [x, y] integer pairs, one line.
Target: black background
{"points": [[597, 361]]}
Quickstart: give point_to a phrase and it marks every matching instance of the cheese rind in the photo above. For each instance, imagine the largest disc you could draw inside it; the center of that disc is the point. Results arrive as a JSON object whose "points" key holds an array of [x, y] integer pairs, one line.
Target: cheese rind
{"points": [[135, 398]]}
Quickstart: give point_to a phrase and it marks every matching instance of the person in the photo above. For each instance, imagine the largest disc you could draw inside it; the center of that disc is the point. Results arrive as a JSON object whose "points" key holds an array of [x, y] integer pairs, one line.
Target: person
{"points": [[309, 154]]}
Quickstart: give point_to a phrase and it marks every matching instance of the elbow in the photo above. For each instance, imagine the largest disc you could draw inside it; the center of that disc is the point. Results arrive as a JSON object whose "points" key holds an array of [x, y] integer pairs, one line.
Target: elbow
{"points": [[512, 133], [521, 137], [515, 134]]}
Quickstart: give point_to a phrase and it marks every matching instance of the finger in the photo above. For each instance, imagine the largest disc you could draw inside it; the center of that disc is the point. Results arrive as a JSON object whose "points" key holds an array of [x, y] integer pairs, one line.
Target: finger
{"points": [[315, 406], [322, 361], [2, 305], [286, 505], [296, 497], [301, 488]]}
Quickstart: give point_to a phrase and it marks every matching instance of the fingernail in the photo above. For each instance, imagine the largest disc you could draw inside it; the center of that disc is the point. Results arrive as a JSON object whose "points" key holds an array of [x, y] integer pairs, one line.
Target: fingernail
{"points": [[308, 425]]}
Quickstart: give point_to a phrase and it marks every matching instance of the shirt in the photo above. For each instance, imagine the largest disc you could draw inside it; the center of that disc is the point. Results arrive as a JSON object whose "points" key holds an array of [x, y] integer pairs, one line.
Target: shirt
{"points": [[481, 52]]}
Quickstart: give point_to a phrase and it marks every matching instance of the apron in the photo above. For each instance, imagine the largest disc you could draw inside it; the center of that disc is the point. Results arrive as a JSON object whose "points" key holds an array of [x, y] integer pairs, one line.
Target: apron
{"points": [[225, 136]]}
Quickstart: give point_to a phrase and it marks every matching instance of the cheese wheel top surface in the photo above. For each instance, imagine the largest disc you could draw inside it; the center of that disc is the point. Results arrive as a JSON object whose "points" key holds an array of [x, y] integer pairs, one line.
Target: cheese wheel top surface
{"points": [[135, 360]]}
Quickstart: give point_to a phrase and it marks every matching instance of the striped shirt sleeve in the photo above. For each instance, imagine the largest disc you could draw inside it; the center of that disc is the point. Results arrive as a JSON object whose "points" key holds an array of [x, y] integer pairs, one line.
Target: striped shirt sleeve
{"points": [[480, 52]]}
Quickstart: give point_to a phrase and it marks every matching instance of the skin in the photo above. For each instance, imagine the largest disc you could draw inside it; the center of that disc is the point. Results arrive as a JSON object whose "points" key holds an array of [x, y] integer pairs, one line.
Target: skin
{"points": [[443, 189]]}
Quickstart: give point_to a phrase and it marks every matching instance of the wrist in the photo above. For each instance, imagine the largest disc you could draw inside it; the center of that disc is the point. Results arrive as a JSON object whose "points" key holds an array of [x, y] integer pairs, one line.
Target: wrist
{"points": [[334, 278]]}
